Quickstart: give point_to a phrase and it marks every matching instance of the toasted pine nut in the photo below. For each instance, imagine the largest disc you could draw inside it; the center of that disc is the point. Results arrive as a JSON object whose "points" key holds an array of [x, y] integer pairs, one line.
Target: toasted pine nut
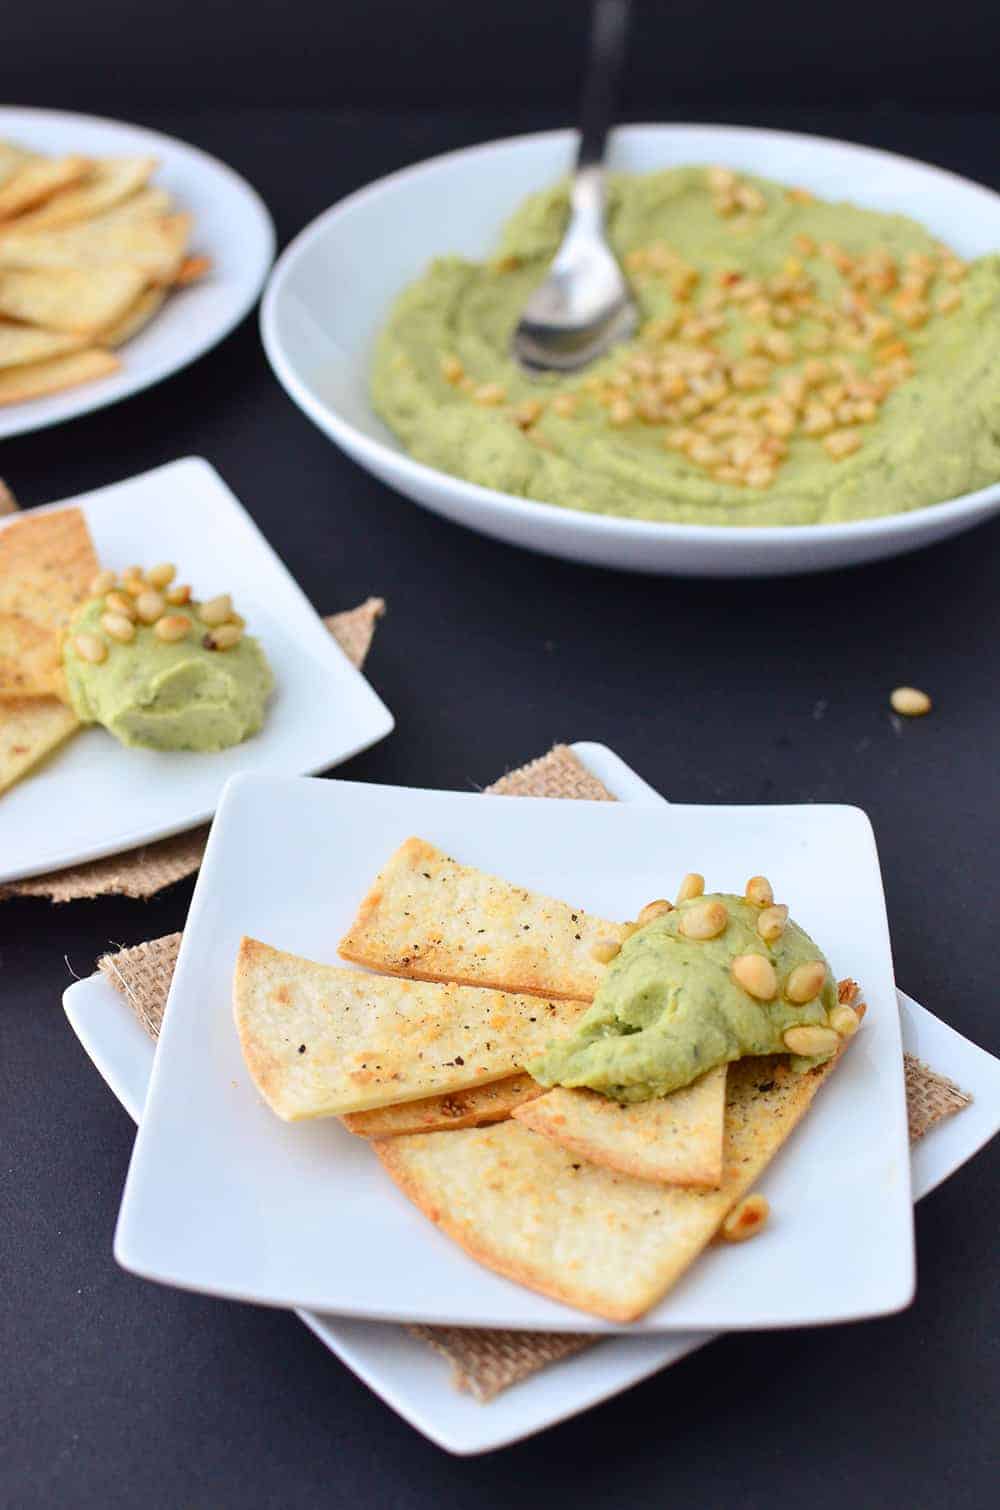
{"points": [[810, 1041], [149, 605], [910, 702], [132, 584], [806, 981], [756, 975], [844, 1021], [162, 574], [528, 413], [216, 610], [224, 637], [120, 602], [705, 921], [746, 1218], [657, 909], [452, 369], [90, 647], [605, 950], [758, 891], [564, 404], [174, 626], [771, 923], [490, 394], [118, 626], [238, 620], [132, 571], [693, 885], [102, 583], [179, 594]]}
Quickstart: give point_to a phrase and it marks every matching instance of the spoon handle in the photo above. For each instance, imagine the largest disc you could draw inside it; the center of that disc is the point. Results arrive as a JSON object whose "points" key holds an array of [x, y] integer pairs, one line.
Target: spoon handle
{"points": [[609, 30]]}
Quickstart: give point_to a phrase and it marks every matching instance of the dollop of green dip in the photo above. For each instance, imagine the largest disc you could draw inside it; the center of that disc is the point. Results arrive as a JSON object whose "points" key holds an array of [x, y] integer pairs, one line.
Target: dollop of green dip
{"points": [[162, 695], [668, 1009], [936, 435]]}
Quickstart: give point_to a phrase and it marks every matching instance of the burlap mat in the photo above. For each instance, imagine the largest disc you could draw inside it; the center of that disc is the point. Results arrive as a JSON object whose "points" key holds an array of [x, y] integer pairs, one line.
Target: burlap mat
{"points": [[485, 1362], [141, 873]]}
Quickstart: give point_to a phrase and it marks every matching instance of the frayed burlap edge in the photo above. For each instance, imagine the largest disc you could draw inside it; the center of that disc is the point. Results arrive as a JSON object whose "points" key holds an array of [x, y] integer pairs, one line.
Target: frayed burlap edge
{"points": [[141, 873], [483, 1363]]}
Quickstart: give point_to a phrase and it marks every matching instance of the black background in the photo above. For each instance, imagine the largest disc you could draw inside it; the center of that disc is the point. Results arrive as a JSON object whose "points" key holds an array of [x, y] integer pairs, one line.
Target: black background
{"points": [[114, 1392]]}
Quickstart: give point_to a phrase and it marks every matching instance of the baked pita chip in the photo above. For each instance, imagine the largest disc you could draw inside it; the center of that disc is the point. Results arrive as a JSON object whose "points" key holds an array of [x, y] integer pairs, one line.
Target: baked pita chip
{"points": [[472, 1108], [320, 1041], [589, 1237], [672, 1140], [155, 244], [29, 658], [47, 563], [192, 270], [22, 344], [12, 159], [37, 180], [30, 729], [18, 384], [146, 205], [76, 299], [429, 918], [108, 181], [138, 315]]}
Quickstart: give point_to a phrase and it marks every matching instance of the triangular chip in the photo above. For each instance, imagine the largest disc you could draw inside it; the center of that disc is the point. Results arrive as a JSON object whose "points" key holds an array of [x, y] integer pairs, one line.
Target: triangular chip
{"points": [[108, 181], [145, 205], [672, 1140], [37, 180], [21, 344], [30, 730], [591, 1238], [37, 379], [12, 159], [321, 1041], [132, 321], [472, 1108], [29, 658], [83, 300], [156, 245], [47, 563], [429, 918]]}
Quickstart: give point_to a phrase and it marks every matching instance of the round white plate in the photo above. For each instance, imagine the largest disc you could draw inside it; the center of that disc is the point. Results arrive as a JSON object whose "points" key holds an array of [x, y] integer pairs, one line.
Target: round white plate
{"points": [[331, 290], [231, 225]]}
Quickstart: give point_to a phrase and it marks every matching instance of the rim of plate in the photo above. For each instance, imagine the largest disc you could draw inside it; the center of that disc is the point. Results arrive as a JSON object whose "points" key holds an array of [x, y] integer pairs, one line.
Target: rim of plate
{"points": [[456, 488], [204, 338]]}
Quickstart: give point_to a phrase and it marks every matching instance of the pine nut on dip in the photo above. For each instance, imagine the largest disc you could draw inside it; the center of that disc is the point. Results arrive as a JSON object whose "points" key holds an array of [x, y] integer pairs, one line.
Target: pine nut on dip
{"points": [[797, 362], [161, 670]]}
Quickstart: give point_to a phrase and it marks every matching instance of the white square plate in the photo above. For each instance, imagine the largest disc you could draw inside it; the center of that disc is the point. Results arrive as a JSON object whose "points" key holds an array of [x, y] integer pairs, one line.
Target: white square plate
{"points": [[94, 797], [222, 1197], [404, 1371]]}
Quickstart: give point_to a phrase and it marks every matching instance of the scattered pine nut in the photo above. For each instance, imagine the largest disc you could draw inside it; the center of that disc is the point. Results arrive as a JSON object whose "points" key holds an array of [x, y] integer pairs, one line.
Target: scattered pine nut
{"points": [[90, 647], [806, 981], [174, 626], [810, 1041], [118, 626], [756, 976], [910, 702]]}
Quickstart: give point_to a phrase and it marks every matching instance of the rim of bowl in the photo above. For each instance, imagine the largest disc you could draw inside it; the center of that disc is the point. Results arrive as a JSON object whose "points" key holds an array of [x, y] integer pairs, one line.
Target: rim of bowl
{"points": [[325, 416]]}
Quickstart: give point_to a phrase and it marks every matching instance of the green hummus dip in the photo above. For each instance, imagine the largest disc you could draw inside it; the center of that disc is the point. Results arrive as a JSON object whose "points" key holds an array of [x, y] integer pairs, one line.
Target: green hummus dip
{"points": [[167, 696], [907, 331], [668, 1009]]}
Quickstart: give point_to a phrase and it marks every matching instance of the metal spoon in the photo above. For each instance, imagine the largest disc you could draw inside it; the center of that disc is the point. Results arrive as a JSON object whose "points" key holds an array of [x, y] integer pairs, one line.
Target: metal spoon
{"points": [[585, 305]]}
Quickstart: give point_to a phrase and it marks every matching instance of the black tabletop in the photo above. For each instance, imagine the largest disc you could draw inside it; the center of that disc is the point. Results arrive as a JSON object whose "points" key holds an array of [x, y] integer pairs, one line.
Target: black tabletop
{"points": [[119, 1392]]}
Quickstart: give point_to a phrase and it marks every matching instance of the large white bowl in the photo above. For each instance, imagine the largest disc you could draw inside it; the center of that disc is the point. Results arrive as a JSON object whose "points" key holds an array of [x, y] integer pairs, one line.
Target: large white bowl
{"points": [[332, 287]]}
